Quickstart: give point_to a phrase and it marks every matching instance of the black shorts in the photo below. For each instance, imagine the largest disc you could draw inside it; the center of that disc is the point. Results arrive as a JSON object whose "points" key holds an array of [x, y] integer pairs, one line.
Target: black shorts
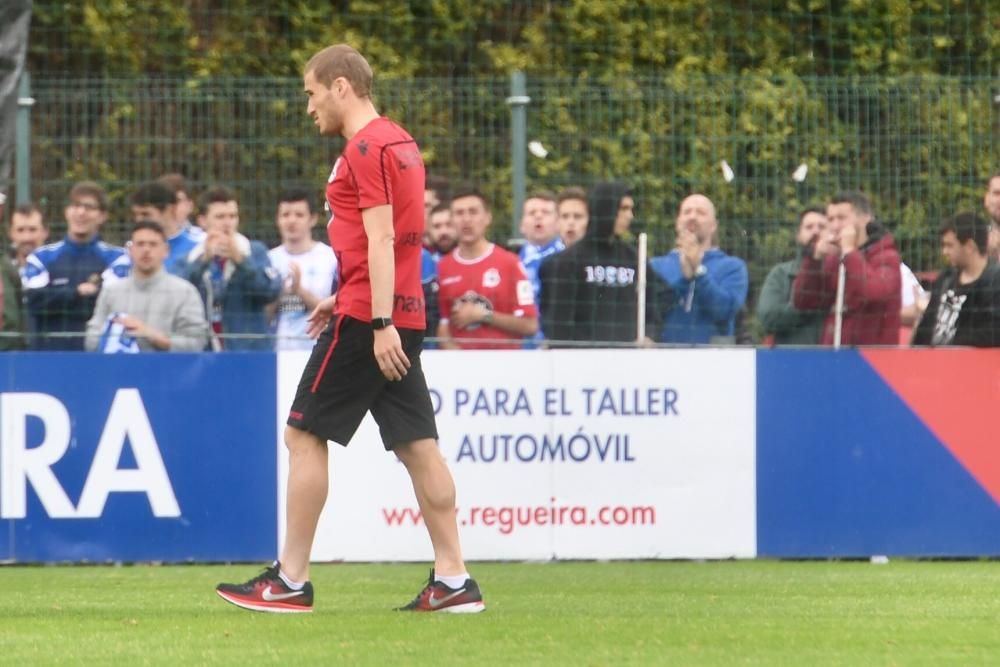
{"points": [[342, 381]]}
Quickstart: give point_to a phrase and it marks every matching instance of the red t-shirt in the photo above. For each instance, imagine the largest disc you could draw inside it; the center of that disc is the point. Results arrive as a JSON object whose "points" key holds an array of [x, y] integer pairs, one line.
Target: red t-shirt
{"points": [[498, 281], [380, 165]]}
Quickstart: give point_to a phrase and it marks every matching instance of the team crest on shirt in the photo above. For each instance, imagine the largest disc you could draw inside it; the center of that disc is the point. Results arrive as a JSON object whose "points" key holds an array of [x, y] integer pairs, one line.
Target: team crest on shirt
{"points": [[491, 278], [333, 172]]}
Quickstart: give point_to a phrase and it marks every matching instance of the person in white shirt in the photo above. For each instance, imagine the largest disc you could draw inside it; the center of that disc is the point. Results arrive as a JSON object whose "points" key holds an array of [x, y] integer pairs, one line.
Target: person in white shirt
{"points": [[308, 269], [912, 294]]}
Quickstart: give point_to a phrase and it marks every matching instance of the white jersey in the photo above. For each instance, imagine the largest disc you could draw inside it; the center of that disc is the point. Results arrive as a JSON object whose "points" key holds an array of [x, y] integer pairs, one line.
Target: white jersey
{"points": [[318, 267], [909, 282]]}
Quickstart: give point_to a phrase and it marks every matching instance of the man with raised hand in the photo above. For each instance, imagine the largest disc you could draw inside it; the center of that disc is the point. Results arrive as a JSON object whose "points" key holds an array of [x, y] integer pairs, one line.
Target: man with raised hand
{"points": [[233, 275], [709, 287], [777, 314], [872, 280]]}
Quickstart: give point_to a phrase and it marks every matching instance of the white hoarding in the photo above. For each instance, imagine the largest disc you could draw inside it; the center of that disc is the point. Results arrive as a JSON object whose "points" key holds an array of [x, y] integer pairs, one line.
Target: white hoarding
{"points": [[560, 454]]}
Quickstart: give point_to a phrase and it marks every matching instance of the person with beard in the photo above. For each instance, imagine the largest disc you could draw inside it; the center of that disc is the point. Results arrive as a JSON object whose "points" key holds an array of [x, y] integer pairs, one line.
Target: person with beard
{"points": [[777, 314], [440, 239], [28, 231], [441, 235], [437, 192], [872, 284], [964, 307], [710, 287], [588, 291]]}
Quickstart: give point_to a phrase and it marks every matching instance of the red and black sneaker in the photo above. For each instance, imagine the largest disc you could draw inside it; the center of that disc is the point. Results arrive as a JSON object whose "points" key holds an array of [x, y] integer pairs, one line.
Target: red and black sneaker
{"points": [[267, 592], [438, 596]]}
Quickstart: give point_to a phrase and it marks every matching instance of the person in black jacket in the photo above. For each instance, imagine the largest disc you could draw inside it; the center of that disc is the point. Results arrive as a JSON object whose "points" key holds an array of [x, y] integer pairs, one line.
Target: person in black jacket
{"points": [[588, 291], [964, 306]]}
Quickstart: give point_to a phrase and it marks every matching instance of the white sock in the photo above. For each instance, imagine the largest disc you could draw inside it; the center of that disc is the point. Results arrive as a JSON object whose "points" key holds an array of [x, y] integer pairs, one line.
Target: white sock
{"points": [[291, 583], [454, 581]]}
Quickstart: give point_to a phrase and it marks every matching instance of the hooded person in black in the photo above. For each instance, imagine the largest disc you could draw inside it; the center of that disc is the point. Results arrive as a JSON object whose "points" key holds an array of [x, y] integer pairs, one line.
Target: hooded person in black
{"points": [[589, 290]]}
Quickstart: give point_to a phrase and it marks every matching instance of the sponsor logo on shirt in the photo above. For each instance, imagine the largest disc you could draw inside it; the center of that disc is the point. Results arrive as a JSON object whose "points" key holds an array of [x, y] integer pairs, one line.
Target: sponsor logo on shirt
{"points": [[407, 304], [525, 293]]}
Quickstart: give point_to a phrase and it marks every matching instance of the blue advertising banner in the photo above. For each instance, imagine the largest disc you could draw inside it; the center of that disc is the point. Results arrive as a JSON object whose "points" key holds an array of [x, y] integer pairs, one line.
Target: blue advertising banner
{"points": [[176, 457], [877, 452], [137, 457]]}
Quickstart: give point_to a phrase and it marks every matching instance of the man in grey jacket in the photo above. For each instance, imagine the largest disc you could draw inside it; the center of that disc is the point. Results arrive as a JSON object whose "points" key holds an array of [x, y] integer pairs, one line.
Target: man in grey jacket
{"points": [[161, 312]]}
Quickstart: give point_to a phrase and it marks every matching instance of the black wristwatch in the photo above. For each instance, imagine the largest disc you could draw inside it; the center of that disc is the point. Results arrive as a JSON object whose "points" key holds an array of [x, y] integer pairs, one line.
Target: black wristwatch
{"points": [[381, 322]]}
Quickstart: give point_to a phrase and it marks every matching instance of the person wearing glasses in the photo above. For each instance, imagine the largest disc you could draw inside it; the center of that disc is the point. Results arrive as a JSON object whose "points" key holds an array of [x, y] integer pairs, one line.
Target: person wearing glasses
{"points": [[61, 280]]}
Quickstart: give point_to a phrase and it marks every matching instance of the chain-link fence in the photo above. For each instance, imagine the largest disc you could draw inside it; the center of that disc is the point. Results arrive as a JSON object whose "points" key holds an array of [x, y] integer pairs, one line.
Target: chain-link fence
{"points": [[920, 146], [766, 107]]}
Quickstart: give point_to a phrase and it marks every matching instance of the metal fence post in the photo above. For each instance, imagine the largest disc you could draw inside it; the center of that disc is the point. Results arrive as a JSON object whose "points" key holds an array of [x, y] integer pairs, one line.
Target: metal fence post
{"points": [[518, 103], [22, 149]]}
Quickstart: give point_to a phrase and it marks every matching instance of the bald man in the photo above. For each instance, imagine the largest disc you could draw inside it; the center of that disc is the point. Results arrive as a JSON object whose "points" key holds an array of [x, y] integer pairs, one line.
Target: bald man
{"points": [[709, 286]]}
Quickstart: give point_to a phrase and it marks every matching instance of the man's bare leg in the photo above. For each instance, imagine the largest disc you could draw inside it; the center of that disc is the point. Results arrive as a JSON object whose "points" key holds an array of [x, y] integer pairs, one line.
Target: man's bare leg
{"points": [[435, 491], [308, 482]]}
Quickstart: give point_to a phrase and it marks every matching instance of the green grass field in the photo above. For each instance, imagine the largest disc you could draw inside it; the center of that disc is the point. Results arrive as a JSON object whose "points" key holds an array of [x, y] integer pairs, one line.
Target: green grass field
{"points": [[799, 613]]}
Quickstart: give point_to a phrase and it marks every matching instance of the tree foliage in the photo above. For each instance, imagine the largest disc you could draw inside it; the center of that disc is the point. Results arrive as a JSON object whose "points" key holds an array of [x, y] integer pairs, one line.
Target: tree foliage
{"points": [[604, 39]]}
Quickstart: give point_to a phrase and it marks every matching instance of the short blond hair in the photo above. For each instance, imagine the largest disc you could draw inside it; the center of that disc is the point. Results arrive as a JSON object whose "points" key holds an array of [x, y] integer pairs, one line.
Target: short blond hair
{"points": [[341, 60]]}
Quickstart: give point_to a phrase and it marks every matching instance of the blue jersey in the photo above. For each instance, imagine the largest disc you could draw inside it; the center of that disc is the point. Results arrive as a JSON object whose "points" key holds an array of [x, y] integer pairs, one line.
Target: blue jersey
{"points": [[51, 278], [531, 258], [429, 281], [181, 245], [428, 266]]}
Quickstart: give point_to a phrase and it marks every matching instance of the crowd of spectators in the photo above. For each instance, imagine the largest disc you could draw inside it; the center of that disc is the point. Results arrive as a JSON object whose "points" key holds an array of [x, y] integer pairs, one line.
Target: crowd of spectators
{"points": [[189, 280]]}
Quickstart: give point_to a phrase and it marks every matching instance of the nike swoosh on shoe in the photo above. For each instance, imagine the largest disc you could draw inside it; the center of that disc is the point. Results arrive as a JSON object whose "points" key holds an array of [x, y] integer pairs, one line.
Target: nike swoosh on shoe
{"points": [[437, 602], [274, 597]]}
